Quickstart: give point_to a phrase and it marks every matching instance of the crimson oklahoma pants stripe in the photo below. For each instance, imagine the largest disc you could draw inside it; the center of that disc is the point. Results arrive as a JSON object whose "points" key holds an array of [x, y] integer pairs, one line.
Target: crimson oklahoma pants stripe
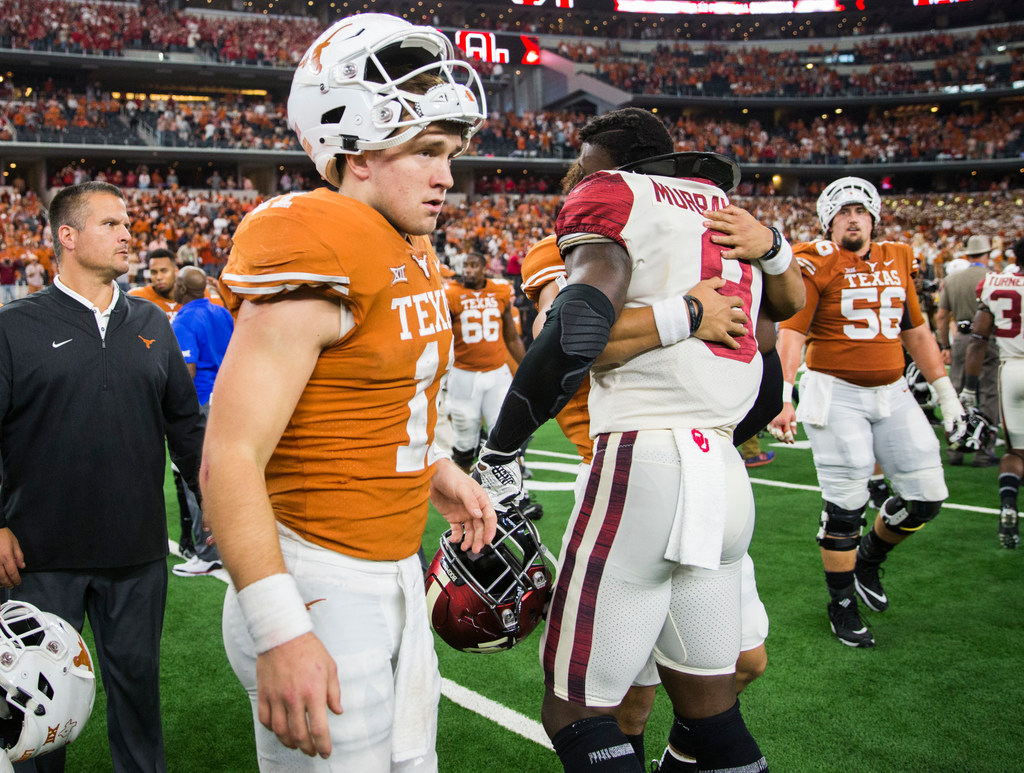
{"points": [[608, 518]]}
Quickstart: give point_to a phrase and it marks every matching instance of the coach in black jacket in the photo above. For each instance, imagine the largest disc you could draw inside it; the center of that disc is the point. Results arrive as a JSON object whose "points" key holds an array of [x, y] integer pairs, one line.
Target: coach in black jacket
{"points": [[91, 383]]}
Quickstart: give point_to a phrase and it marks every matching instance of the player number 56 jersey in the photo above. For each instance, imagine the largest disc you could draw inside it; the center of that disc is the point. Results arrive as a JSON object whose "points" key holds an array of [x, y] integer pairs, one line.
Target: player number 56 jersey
{"points": [[856, 309]]}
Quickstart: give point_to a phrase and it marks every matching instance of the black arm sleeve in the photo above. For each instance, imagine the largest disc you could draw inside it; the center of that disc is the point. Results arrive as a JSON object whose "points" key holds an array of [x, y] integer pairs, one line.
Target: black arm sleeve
{"points": [[574, 334], [768, 403]]}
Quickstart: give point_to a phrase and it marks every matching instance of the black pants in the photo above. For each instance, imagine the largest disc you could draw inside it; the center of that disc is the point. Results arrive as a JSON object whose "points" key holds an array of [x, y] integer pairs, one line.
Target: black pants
{"points": [[126, 611]]}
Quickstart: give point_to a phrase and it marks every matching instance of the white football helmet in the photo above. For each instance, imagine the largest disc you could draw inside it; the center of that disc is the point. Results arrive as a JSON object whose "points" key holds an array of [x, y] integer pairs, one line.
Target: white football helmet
{"points": [[347, 94], [847, 190], [47, 683]]}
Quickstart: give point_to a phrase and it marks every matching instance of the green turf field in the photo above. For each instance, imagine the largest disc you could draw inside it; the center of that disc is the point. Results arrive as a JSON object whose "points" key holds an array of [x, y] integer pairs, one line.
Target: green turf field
{"points": [[937, 693]]}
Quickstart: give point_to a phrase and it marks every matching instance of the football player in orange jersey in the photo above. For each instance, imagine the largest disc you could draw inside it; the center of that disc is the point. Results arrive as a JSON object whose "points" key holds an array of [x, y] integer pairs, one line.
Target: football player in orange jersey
{"points": [[319, 459], [484, 332], [160, 290], [862, 310]]}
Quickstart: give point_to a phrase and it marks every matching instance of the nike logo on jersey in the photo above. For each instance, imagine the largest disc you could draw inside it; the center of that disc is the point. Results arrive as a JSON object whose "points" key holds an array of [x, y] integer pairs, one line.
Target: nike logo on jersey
{"points": [[309, 604], [398, 275], [59, 345], [147, 341], [889, 262]]}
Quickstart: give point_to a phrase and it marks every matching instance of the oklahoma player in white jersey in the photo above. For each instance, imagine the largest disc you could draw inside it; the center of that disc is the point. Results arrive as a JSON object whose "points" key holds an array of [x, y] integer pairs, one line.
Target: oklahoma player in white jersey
{"points": [[1001, 314], [854, 402], [652, 560], [485, 334], [318, 458]]}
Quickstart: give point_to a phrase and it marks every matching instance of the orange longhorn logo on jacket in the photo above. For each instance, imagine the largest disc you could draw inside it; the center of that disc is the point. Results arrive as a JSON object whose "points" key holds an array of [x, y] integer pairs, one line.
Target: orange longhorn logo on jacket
{"points": [[147, 341]]}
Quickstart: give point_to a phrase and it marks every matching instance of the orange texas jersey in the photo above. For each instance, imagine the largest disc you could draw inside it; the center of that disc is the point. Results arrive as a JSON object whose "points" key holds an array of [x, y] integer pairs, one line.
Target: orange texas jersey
{"points": [[542, 265], [477, 325], [856, 309], [169, 307], [351, 471]]}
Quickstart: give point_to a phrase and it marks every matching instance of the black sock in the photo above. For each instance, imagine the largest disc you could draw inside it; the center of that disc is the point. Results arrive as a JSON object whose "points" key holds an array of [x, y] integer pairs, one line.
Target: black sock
{"points": [[637, 742], [840, 584], [873, 548], [595, 745], [1009, 485], [719, 743]]}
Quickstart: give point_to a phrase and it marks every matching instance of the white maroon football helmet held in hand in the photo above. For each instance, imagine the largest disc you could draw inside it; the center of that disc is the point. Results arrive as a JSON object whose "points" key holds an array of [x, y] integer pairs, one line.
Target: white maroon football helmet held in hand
{"points": [[490, 601], [47, 683]]}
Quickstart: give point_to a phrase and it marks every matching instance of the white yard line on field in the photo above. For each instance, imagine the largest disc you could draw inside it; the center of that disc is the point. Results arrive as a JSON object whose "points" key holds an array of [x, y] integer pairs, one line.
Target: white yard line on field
{"points": [[504, 716]]}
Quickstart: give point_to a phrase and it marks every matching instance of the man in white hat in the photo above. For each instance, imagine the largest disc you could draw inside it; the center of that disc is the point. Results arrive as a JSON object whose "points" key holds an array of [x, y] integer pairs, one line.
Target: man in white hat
{"points": [[958, 302]]}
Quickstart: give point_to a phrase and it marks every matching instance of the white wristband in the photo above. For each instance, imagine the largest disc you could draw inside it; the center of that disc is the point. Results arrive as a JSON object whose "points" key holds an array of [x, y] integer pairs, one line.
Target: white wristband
{"points": [[949, 403], [787, 392], [780, 262], [672, 318], [274, 611]]}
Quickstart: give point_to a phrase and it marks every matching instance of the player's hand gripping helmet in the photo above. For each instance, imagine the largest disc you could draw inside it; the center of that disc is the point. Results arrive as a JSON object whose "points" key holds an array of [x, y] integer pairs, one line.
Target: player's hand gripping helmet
{"points": [[847, 190], [972, 432], [489, 601], [47, 684], [349, 92]]}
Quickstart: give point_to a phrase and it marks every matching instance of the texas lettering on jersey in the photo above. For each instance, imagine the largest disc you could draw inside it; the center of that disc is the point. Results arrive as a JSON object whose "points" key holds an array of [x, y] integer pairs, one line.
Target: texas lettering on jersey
{"points": [[477, 317], [352, 469], [856, 309]]}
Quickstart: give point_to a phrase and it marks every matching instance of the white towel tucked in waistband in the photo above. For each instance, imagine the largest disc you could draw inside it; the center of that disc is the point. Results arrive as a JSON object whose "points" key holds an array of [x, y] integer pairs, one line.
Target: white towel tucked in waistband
{"points": [[815, 398], [699, 522], [417, 683]]}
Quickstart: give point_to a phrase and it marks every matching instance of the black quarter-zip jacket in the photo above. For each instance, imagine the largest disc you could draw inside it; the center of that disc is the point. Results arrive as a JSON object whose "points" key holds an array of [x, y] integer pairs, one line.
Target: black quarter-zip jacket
{"points": [[83, 423]]}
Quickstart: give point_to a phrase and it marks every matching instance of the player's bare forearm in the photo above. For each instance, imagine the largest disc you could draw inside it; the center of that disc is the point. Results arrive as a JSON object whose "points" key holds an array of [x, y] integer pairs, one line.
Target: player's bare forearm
{"points": [[784, 294], [978, 346], [633, 333], [920, 344]]}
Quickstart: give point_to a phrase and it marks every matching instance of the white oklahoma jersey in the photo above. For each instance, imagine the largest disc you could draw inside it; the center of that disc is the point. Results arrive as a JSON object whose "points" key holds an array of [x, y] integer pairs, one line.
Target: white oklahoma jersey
{"points": [[1003, 296], [651, 559], [693, 383]]}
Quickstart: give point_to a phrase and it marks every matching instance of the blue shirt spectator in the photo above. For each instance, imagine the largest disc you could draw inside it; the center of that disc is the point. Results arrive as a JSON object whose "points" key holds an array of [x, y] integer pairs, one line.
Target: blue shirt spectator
{"points": [[203, 330]]}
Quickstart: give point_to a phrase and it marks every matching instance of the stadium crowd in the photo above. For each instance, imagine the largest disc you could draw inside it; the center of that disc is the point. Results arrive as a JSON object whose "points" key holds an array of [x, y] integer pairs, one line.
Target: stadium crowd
{"points": [[272, 40], [57, 115], [198, 226]]}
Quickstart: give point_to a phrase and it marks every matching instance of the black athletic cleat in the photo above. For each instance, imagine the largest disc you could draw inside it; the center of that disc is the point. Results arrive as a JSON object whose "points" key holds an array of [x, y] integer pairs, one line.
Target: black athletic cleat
{"points": [[867, 579], [878, 491], [844, 618], [1009, 536]]}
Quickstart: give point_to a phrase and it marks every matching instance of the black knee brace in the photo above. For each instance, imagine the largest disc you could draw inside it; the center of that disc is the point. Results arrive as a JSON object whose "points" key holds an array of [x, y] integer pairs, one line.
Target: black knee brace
{"points": [[907, 517], [840, 528], [720, 742], [595, 745]]}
